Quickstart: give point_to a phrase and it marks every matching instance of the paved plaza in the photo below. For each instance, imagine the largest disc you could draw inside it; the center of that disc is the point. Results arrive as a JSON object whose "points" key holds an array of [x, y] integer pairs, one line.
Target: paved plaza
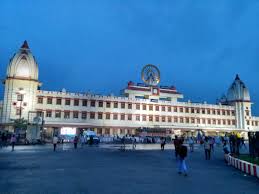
{"points": [[107, 170]]}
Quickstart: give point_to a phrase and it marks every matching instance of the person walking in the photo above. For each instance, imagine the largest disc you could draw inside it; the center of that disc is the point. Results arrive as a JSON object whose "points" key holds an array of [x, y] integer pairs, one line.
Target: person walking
{"points": [[82, 140], [134, 142], [242, 144], [207, 148], [55, 141], [75, 141], [163, 142], [211, 142], [13, 141], [176, 146], [182, 151], [191, 143]]}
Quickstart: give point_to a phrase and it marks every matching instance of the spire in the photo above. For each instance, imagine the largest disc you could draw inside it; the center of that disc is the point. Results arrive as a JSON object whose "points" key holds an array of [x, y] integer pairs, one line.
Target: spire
{"points": [[237, 77], [25, 45]]}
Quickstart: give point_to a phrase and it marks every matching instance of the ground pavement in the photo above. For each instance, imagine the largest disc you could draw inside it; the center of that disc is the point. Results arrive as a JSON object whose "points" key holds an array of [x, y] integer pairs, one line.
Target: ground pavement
{"points": [[106, 170]]}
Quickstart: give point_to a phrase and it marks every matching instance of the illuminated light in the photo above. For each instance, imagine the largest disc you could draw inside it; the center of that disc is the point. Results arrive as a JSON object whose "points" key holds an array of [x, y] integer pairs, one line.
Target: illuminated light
{"points": [[68, 131]]}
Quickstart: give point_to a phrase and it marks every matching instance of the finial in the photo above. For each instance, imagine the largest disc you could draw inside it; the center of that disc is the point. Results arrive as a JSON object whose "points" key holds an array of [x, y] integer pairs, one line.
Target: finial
{"points": [[237, 77], [25, 45]]}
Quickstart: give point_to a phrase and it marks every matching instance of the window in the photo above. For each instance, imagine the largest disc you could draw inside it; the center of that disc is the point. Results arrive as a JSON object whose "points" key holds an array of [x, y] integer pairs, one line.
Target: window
{"points": [[138, 106], [175, 109], [169, 119], [208, 111], [223, 112], [115, 116], [66, 115], [213, 111], [84, 115], [209, 121], [49, 100], [181, 109], [107, 116], [187, 110], [100, 103], [108, 104], [58, 114], [233, 122], [247, 113], [144, 107], [92, 115], [203, 121], [58, 101], [84, 103], [100, 115], [144, 118], [129, 117], [19, 97], [247, 122], [224, 122], [115, 104], [157, 108], [39, 114], [123, 117], [218, 112], [75, 114], [67, 102], [187, 120], [48, 113], [123, 105], [169, 109], [40, 100], [157, 118], [219, 122], [107, 131], [192, 120], [198, 121], [150, 117], [203, 111], [181, 120], [228, 112], [233, 113], [163, 118], [214, 122], [192, 110], [18, 111], [198, 110], [163, 108], [175, 120], [76, 102], [129, 106], [92, 103], [150, 107], [137, 118], [229, 122]]}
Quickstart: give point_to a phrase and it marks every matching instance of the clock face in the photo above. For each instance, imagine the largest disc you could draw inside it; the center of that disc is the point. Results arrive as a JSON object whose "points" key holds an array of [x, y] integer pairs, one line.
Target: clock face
{"points": [[150, 75]]}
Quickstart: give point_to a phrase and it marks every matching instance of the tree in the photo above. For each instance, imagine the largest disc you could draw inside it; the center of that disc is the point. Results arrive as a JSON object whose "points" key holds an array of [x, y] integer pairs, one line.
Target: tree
{"points": [[20, 124]]}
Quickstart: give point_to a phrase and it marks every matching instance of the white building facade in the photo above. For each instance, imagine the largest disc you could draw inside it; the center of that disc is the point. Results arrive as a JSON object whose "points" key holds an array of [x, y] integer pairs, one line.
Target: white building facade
{"points": [[140, 106]]}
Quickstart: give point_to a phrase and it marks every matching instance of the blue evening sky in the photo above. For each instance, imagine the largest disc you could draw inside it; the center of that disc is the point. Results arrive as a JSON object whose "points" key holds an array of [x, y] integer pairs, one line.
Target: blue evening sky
{"points": [[100, 45]]}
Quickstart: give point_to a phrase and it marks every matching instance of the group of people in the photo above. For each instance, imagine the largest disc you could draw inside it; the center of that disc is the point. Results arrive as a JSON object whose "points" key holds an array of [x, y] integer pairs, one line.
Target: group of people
{"points": [[7, 140], [77, 139]]}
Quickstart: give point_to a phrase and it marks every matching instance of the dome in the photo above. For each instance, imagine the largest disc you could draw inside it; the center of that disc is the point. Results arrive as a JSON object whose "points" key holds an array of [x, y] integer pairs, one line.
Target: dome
{"points": [[23, 64], [238, 91]]}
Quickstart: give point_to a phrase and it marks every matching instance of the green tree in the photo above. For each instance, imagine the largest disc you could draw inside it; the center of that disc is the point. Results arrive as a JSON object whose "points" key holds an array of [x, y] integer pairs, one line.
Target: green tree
{"points": [[20, 124]]}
